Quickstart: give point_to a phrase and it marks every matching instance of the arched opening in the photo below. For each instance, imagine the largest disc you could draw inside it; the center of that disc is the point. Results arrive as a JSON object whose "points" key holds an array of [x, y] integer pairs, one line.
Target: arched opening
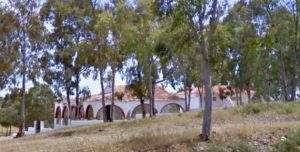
{"points": [[73, 113], [58, 115], [65, 115], [81, 112], [89, 113], [118, 113], [171, 108], [137, 111]]}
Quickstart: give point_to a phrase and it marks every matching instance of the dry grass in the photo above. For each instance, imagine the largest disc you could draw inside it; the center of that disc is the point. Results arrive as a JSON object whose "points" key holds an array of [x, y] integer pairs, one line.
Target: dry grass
{"points": [[166, 133]]}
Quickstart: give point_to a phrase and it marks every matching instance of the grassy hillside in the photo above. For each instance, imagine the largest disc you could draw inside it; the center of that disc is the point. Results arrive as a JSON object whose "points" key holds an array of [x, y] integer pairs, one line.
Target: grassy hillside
{"points": [[256, 127]]}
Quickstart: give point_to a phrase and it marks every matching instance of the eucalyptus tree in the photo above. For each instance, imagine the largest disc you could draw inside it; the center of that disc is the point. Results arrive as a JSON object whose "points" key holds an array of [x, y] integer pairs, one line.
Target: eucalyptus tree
{"points": [[243, 49], [280, 19], [98, 45], [69, 22], [201, 19], [8, 55], [29, 38]]}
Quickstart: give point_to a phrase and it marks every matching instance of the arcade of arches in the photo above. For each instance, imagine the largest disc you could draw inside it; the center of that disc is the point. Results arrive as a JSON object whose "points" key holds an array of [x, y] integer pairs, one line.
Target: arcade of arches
{"points": [[89, 113]]}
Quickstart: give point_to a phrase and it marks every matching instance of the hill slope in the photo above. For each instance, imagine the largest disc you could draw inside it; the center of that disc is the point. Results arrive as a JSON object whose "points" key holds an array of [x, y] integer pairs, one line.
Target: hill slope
{"points": [[257, 126]]}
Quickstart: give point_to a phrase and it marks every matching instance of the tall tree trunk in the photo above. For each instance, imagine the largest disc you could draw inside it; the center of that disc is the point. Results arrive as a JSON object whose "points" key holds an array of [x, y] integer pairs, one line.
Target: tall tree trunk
{"points": [[207, 73], [143, 107], [103, 95], [283, 77], [185, 98], [237, 97], [295, 55], [240, 97], [68, 91], [189, 98], [150, 88], [112, 95], [153, 97], [200, 98], [9, 130], [77, 95], [206, 126], [248, 91], [23, 108]]}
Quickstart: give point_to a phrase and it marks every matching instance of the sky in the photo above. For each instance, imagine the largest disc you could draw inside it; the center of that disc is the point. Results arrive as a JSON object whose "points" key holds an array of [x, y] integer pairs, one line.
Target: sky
{"points": [[94, 85]]}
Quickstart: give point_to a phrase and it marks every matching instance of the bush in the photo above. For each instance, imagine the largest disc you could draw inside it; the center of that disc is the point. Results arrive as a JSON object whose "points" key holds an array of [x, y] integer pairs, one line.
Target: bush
{"points": [[254, 108], [286, 108], [290, 144], [238, 146], [242, 146], [215, 148], [199, 114]]}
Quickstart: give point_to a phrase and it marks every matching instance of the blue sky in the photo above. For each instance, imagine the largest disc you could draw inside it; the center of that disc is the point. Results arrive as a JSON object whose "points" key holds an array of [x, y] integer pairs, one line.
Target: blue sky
{"points": [[94, 85]]}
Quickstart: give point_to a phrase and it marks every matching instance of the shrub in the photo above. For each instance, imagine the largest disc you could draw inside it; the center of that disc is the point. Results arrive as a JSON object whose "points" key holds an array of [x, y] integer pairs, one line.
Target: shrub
{"points": [[238, 146], [241, 146], [253, 108], [215, 148], [286, 108], [199, 115], [290, 144]]}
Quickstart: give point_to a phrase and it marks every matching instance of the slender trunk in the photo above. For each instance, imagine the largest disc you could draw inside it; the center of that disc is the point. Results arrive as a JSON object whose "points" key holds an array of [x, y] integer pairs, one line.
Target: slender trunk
{"points": [[206, 126], [207, 73], [283, 77], [189, 98], [22, 128], [294, 57], [153, 98], [150, 88], [112, 95], [248, 91], [103, 95], [9, 130], [200, 98], [240, 97], [68, 90], [237, 98], [185, 98], [143, 107], [77, 96]]}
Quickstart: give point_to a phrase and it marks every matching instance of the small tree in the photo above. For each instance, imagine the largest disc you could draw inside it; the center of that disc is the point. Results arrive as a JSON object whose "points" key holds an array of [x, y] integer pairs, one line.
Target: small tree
{"points": [[9, 117]]}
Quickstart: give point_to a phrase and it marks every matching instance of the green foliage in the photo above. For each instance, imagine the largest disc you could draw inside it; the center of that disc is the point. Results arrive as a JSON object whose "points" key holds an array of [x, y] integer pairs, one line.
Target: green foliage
{"points": [[40, 103], [9, 117], [289, 144], [238, 146], [215, 148], [260, 107]]}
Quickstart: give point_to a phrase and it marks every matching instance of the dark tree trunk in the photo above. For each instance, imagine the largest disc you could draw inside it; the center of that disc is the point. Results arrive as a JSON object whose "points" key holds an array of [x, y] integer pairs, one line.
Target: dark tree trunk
{"points": [[68, 91], [9, 130], [143, 107], [237, 98], [153, 98], [22, 127], [240, 97], [185, 98], [248, 90], [207, 73], [103, 95], [150, 88], [112, 95], [294, 57], [189, 98], [77, 95], [206, 126], [283, 77], [200, 98]]}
